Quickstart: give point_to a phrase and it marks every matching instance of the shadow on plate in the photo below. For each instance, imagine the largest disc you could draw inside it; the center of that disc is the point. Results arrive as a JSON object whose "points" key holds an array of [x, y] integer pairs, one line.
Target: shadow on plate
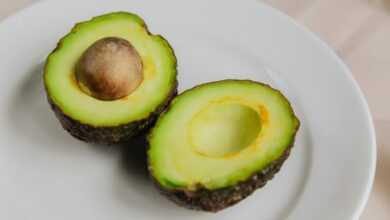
{"points": [[133, 158], [134, 186]]}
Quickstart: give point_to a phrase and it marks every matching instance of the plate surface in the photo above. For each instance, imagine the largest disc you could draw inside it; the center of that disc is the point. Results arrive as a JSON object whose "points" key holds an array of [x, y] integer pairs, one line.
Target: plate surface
{"points": [[47, 174]]}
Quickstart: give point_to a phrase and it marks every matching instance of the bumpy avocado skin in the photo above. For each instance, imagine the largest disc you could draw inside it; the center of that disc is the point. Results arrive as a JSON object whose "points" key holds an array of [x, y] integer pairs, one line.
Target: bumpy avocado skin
{"points": [[114, 134], [109, 135], [216, 200]]}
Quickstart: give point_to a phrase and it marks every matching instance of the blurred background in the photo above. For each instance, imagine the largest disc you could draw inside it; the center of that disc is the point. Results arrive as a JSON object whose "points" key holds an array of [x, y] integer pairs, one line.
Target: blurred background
{"points": [[359, 32]]}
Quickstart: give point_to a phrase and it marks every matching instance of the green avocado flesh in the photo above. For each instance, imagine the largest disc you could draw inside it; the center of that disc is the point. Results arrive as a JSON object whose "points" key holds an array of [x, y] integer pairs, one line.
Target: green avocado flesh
{"points": [[219, 134], [159, 72]]}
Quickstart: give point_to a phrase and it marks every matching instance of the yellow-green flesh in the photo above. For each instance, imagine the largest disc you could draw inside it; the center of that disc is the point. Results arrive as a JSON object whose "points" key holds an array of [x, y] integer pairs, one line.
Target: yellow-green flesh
{"points": [[220, 133], [159, 71]]}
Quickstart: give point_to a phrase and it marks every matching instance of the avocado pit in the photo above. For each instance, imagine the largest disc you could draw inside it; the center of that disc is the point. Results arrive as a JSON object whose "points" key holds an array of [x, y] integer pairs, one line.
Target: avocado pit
{"points": [[109, 69]]}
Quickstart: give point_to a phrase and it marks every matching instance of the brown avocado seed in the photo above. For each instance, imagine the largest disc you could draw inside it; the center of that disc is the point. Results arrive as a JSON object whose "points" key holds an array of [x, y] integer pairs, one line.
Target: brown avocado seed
{"points": [[109, 69]]}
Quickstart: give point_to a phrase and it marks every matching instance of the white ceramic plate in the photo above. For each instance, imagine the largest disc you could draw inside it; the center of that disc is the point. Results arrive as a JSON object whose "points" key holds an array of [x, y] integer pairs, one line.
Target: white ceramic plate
{"points": [[47, 174]]}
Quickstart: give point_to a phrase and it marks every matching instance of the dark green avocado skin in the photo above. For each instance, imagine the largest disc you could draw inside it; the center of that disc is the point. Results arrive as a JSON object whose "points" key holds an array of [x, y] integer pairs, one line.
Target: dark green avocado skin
{"points": [[110, 135], [216, 200]]}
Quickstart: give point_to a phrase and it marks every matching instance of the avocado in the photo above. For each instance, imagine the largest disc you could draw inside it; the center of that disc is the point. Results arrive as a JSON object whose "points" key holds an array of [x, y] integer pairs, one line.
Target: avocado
{"points": [[220, 141], [110, 78]]}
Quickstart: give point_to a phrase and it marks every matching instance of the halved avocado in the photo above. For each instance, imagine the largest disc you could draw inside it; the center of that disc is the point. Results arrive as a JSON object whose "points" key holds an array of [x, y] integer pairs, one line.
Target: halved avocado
{"points": [[220, 141], [109, 78]]}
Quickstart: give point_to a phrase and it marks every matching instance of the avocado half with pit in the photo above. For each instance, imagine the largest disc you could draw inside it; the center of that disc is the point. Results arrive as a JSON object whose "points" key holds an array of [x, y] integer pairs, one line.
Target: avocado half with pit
{"points": [[110, 78], [219, 142]]}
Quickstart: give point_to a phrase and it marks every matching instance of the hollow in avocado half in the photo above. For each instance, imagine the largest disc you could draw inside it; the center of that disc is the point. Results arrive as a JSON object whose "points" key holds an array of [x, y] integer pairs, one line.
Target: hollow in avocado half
{"points": [[109, 78], [220, 141]]}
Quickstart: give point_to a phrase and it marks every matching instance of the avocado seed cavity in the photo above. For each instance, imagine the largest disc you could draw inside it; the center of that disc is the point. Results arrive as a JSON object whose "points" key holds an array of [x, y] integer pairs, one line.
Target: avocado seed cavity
{"points": [[109, 69]]}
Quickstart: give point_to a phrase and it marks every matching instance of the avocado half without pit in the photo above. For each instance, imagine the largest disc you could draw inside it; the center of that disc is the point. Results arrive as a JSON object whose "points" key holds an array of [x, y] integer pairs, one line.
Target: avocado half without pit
{"points": [[219, 142], [110, 78]]}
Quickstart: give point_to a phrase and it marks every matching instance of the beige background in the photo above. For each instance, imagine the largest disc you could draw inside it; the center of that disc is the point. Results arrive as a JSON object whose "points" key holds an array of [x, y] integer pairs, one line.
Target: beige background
{"points": [[359, 31]]}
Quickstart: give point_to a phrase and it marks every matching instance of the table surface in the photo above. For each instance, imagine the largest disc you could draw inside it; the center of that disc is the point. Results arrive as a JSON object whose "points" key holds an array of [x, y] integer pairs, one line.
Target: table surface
{"points": [[358, 30]]}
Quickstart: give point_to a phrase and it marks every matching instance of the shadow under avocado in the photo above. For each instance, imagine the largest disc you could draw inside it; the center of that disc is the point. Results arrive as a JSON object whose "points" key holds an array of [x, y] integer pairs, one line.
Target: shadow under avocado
{"points": [[133, 159], [134, 186]]}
